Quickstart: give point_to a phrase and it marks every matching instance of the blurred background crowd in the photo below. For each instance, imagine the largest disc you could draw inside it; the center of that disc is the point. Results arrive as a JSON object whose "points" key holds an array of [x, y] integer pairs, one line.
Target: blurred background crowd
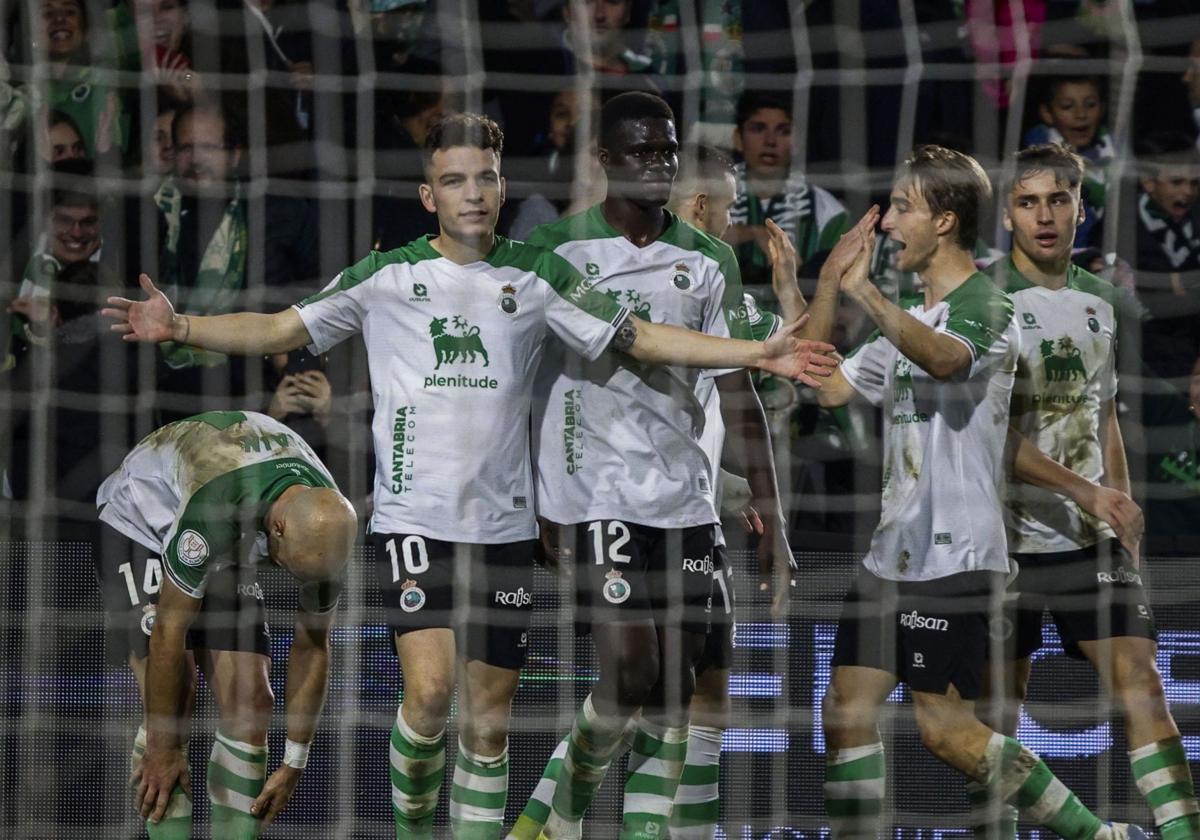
{"points": [[242, 152]]}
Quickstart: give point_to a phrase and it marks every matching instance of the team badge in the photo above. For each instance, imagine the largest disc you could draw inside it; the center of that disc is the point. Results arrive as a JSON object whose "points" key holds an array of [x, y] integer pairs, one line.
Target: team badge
{"points": [[149, 613], [412, 597], [1093, 325], [192, 548], [508, 299], [616, 588], [682, 279], [82, 92]]}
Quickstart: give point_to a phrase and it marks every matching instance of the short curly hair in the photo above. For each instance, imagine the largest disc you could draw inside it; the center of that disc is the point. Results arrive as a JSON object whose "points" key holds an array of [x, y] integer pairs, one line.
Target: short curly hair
{"points": [[473, 130]]}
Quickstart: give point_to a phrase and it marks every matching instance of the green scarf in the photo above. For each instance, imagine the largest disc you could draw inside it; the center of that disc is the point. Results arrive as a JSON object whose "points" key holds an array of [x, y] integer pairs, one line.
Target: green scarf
{"points": [[221, 278]]}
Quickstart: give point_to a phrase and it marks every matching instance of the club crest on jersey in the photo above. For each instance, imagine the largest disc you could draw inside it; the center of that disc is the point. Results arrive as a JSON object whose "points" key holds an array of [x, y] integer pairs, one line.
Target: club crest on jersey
{"points": [[149, 614], [682, 280], [902, 381], [508, 299], [467, 346], [420, 293], [1064, 364], [192, 548], [616, 588], [412, 597]]}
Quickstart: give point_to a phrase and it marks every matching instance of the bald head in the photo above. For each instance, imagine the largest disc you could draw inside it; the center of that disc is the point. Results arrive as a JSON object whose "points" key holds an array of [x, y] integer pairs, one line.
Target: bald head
{"points": [[315, 533]]}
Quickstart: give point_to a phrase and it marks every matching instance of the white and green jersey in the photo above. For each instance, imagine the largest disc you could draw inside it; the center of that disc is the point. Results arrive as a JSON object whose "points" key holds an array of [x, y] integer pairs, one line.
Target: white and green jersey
{"points": [[615, 439], [194, 490], [452, 351], [1065, 376], [943, 460]]}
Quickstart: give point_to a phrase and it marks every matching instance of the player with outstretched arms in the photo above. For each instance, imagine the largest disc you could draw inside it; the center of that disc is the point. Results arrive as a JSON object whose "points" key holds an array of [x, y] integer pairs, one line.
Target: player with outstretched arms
{"points": [[455, 327]]}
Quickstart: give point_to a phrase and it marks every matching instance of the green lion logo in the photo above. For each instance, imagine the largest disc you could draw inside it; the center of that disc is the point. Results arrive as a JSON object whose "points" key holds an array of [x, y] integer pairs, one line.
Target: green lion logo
{"points": [[456, 348], [1063, 365], [902, 383]]}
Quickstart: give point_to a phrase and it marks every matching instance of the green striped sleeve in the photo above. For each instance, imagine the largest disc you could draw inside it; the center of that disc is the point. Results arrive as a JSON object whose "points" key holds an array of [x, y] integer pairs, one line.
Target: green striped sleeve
{"points": [[979, 313], [414, 252]]}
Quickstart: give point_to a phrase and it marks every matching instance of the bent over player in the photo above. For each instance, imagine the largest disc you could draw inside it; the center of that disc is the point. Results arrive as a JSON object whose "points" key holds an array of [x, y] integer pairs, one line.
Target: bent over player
{"points": [[941, 365], [201, 494], [455, 327], [1064, 403]]}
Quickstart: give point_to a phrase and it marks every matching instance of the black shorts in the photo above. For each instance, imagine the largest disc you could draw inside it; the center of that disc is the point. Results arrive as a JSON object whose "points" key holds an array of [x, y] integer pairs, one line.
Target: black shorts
{"points": [[232, 615], [418, 578], [930, 634], [718, 644], [643, 572], [1092, 593]]}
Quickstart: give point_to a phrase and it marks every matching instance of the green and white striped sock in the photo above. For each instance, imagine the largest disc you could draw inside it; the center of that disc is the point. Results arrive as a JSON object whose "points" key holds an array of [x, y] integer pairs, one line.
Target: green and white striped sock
{"points": [[855, 784], [655, 765], [529, 825], [478, 795], [1025, 781], [591, 746], [237, 772], [417, 766], [698, 799], [1164, 778], [991, 817]]}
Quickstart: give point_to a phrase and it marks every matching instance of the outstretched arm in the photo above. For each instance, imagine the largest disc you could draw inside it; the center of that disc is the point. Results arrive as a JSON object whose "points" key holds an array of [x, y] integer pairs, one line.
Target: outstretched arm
{"points": [[1031, 465], [238, 333], [167, 679], [307, 683], [785, 353]]}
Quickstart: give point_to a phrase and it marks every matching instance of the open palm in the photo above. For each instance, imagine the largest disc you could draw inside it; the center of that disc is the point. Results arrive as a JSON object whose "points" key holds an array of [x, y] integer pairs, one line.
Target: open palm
{"points": [[801, 359], [152, 319]]}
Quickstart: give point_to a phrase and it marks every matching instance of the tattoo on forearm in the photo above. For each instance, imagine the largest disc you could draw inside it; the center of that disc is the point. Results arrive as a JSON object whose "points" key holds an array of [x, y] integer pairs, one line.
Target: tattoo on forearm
{"points": [[626, 334]]}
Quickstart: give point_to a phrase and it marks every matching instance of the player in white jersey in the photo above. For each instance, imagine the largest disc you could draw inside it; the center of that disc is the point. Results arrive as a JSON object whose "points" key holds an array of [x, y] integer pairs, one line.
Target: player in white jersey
{"points": [[202, 494], [455, 327], [643, 531], [941, 366], [1064, 403], [702, 194]]}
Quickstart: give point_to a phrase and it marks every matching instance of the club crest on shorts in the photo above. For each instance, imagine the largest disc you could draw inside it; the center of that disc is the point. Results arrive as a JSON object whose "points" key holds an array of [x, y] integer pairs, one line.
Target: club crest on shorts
{"points": [[508, 299], [149, 613], [412, 597], [192, 548], [616, 588]]}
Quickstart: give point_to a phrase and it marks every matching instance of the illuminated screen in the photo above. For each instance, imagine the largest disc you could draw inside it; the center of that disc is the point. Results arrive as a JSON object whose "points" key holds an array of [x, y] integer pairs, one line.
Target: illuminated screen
{"points": [[69, 719]]}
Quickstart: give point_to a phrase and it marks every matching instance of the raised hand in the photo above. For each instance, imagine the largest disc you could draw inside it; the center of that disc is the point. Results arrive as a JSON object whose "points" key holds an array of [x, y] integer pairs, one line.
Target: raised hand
{"points": [[782, 255], [844, 254], [797, 358], [152, 320]]}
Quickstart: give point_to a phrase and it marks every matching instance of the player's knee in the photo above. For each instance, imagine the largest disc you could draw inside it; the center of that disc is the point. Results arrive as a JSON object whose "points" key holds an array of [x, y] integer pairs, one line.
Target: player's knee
{"points": [[636, 678], [427, 701], [485, 734], [843, 711]]}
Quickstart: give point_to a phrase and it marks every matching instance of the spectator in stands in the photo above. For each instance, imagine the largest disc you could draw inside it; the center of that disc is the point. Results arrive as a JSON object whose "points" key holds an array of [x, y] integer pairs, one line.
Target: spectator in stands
{"points": [[161, 156], [59, 139], [70, 235], [1166, 259], [400, 133], [206, 250], [1191, 80], [1071, 110], [395, 27], [769, 188], [549, 175], [602, 41], [62, 40]]}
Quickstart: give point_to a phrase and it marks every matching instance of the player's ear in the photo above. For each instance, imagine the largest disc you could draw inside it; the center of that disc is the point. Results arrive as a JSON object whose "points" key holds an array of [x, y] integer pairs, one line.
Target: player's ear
{"points": [[1007, 221], [503, 190], [602, 156], [426, 193], [945, 222], [699, 208], [1082, 214]]}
